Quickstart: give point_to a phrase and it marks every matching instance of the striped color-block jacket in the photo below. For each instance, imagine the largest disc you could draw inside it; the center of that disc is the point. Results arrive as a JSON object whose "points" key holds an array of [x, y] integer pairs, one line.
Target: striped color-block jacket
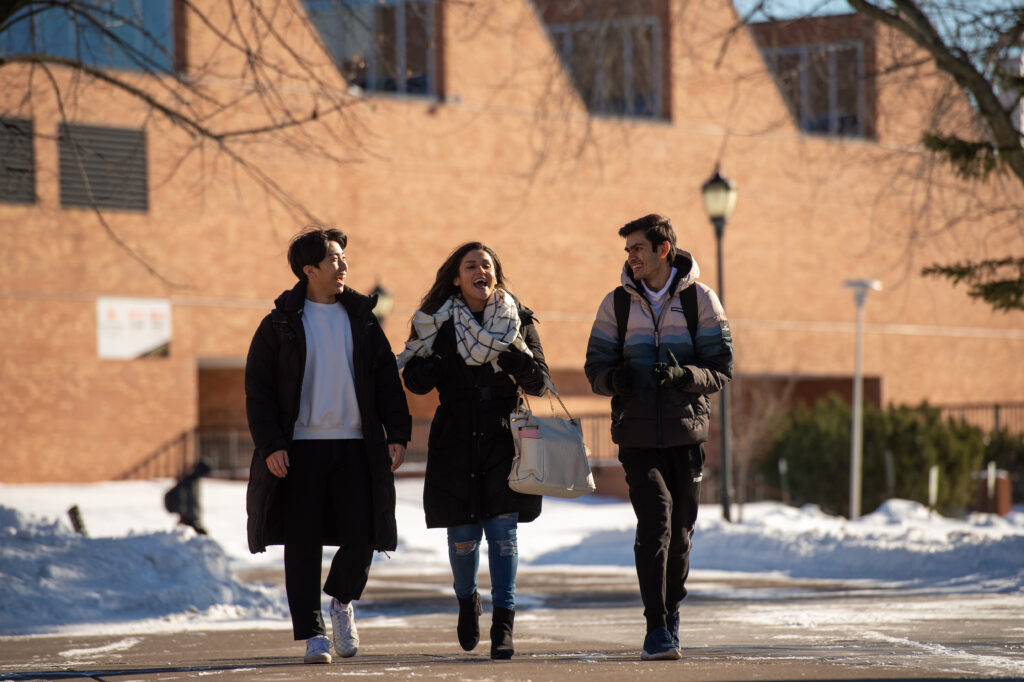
{"points": [[653, 417]]}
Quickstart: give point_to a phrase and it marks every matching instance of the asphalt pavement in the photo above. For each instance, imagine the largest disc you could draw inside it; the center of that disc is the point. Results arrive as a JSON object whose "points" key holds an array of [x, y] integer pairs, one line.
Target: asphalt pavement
{"points": [[586, 625]]}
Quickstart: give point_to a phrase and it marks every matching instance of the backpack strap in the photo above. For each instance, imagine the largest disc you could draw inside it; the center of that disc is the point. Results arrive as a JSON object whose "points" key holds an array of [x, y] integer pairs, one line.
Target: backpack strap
{"points": [[621, 301], [688, 301]]}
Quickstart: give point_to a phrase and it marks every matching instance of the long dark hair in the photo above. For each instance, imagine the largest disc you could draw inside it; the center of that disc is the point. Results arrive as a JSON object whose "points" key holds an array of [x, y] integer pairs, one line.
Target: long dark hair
{"points": [[444, 287]]}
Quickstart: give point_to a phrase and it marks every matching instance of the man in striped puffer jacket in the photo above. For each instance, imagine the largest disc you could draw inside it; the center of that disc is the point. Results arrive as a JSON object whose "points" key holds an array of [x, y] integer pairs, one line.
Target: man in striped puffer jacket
{"points": [[660, 371]]}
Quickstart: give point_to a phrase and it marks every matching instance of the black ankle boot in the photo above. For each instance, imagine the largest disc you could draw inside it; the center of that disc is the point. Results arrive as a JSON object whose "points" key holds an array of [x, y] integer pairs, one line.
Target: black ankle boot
{"points": [[501, 633], [469, 622]]}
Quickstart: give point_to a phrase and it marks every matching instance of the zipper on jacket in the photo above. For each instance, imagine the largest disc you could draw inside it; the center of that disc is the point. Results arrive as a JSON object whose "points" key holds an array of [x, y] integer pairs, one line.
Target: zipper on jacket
{"points": [[476, 506], [657, 357]]}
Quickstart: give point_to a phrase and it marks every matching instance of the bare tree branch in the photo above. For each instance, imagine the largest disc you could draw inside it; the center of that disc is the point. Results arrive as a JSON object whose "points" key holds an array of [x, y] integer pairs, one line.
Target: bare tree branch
{"points": [[114, 236], [908, 18]]}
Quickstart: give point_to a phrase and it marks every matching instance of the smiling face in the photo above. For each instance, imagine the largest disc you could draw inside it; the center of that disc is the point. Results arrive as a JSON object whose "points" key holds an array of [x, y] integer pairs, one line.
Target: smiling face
{"points": [[327, 278], [476, 279], [647, 264]]}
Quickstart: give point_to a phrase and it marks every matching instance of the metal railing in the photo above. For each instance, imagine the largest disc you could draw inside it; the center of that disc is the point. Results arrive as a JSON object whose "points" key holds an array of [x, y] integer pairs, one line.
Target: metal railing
{"points": [[228, 451], [988, 417], [169, 460]]}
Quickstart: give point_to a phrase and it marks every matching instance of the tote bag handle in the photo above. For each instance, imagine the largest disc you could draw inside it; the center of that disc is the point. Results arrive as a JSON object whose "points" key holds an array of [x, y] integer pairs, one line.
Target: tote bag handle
{"points": [[551, 388]]}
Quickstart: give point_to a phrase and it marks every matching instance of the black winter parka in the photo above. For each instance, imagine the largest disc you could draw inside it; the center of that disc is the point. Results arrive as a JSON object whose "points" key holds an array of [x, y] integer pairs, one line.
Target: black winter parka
{"points": [[273, 387], [470, 448]]}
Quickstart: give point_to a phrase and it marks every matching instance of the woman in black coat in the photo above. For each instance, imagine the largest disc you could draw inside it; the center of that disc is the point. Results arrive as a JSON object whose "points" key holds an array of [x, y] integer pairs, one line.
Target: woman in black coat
{"points": [[477, 345]]}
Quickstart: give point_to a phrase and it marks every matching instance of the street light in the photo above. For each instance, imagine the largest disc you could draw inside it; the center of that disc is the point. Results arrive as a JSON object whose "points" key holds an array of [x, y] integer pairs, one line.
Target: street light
{"points": [[719, 199], [860, 287]]}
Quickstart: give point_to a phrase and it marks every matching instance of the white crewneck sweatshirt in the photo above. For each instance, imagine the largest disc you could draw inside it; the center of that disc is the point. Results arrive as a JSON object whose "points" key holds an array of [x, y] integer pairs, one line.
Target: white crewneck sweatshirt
{"points": [[657, 298], [327, 407]]}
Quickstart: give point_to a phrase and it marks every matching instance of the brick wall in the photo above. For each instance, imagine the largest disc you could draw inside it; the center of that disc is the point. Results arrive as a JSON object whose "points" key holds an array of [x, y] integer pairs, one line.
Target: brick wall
{"points": [[511, 157]]}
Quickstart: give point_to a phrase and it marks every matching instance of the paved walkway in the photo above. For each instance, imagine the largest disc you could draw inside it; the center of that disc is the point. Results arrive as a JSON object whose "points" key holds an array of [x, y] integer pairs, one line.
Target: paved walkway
{"points": [[587, 626]]}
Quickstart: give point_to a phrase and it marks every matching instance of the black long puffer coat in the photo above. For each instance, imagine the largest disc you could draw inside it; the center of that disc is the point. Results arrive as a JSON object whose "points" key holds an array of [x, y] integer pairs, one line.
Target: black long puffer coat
{"points": [[273, 387], [470, 449]]}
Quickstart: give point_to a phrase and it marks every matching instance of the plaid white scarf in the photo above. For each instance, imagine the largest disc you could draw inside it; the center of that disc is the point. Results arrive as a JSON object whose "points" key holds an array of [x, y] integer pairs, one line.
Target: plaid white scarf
{"points": [[477, 343]]}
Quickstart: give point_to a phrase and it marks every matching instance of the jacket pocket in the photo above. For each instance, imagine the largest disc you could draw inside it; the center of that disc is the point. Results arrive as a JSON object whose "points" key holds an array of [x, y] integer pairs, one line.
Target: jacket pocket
{"points": [[694, 418]]}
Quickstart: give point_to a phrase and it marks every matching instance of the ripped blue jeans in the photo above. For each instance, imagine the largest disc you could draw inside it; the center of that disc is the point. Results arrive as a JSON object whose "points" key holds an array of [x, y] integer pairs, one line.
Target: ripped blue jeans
{"points": [[502, 557]]}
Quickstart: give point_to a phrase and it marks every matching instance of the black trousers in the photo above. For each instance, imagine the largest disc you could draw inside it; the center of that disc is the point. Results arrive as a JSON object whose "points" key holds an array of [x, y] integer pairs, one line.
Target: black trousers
{"points": [[327, 487], [664, 488]]}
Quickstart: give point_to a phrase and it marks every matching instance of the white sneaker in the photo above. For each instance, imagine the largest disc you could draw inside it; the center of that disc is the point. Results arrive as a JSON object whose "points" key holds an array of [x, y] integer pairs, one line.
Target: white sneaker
{"points": [[318, 650], [343, 620]]}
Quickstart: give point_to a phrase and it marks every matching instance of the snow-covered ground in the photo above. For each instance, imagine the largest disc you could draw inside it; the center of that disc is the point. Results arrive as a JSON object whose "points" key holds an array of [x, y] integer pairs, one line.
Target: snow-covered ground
{"points": [[137, 571]]}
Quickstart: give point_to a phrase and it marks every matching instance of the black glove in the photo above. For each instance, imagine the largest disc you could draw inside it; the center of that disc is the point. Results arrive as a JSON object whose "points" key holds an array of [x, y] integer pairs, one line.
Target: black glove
{"points": [[622, 379], [430, 365], [671, 373], [513, 361]]}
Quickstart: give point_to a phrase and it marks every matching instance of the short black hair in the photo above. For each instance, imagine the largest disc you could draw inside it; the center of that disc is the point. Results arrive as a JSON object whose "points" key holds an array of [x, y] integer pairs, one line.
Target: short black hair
{"points": [[309, 247], [657, 229]]}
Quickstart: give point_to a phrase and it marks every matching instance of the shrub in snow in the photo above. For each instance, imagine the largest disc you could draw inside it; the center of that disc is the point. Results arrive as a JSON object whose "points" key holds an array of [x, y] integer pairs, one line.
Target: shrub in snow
{"points": [[815, 442]]}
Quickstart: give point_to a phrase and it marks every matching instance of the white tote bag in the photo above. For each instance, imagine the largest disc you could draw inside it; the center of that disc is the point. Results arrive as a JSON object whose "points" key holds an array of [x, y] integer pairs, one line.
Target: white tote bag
{"points": [[551, 458]]}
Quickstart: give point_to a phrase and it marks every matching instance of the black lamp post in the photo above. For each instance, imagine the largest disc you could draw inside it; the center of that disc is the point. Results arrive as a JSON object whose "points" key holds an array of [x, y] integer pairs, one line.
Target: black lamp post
{"points": [[719, 200]]}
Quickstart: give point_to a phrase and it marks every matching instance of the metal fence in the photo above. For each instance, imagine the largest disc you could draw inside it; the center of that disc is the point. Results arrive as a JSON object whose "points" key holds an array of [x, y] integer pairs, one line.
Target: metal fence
{"points": [[229, 450], [989, 417], [169, 460]]}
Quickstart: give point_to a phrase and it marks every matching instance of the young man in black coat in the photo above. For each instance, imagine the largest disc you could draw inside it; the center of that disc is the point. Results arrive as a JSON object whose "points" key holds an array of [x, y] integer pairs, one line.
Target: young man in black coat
{"points": [[330, 423]]}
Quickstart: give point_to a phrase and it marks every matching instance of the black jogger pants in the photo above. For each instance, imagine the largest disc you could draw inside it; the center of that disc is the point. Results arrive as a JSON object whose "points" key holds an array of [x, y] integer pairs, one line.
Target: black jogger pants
{"points": [[664, 488], [327, 486]]}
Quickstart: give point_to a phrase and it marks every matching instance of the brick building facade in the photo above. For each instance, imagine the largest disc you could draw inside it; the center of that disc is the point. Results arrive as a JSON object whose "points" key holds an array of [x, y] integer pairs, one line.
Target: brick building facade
{"points": [[498, 141]]}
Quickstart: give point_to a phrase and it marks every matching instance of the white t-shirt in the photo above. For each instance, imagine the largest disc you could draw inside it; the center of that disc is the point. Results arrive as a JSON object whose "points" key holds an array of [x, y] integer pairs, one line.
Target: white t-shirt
{"points": [[657, 298], [328, 409]]}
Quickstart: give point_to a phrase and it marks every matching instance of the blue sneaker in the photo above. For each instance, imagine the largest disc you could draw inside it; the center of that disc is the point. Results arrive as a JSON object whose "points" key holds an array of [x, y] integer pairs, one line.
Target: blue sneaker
{"points": [[658, 646], [672, 623]]}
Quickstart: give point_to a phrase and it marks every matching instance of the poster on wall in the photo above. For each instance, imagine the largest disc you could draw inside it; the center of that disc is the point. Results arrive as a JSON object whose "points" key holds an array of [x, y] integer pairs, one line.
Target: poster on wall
{"points": [[129, 328]]}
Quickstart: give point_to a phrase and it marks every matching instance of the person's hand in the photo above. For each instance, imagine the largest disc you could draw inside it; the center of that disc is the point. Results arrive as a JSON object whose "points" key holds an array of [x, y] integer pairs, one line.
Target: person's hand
{"points": [[513, 361], [277, 462], [622, 379], [397, 453], [432, 363], [429, 365], [671, 373]]}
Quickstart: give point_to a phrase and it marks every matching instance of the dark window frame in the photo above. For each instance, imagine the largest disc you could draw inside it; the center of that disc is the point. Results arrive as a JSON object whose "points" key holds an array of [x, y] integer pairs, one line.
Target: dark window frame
{"points": [[561, 35], [801, 109], [17, 161], [150, 42], [103, 167], [371, 83]]}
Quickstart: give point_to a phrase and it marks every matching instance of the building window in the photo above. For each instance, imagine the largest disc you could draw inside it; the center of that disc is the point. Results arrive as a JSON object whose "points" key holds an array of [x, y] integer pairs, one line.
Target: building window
{"points": [[17, 161], [119, 34], [103, 167], [824, 86], [381, 45], [615, 64]]}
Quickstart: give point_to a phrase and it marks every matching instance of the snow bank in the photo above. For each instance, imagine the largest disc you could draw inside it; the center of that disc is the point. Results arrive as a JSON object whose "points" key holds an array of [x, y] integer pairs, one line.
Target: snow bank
{"points": [[139, 572], [51, 577]]}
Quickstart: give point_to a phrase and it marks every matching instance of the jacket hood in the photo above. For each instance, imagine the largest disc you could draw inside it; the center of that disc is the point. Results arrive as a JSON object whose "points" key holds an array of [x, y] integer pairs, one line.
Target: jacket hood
{"points": [[292, 300], [687, 272]]}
